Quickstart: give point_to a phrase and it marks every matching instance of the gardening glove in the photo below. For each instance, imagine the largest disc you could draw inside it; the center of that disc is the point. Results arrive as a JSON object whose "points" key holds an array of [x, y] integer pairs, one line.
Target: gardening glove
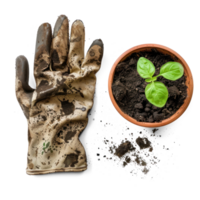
{"points": [[57, 110]]}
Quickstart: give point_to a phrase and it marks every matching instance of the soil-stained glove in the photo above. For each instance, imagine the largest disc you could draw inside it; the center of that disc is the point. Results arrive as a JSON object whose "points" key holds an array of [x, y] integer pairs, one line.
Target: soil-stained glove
{"points": [[57, 110]]}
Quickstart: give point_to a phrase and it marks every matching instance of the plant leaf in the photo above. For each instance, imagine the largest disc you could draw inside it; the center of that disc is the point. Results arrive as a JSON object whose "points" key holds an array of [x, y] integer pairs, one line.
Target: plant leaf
{"points": [[44, 144], [42, 152], [151, 79], [156, 93], [145, 68], [47, 144], [172, 71]]}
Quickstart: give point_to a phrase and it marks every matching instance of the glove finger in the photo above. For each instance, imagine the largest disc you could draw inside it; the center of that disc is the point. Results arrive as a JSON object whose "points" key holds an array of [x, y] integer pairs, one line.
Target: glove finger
{"points": [[77, 42], [85, 39], [42, 50], [23, 91], [92, 61], [60, 43]]}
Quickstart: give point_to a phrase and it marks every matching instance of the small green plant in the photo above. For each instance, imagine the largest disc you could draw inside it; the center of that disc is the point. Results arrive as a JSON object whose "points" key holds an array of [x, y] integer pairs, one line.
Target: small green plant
{"points": [[46, 147], [156, 92]]}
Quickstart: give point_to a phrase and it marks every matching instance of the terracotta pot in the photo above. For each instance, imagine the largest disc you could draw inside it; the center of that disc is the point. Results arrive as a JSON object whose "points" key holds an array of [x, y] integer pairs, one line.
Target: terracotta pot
{"points": [[165, 50]]}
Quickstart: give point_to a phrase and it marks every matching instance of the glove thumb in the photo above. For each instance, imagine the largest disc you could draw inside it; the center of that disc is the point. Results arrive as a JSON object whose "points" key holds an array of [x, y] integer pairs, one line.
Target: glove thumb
{"points": [[22, 90]]}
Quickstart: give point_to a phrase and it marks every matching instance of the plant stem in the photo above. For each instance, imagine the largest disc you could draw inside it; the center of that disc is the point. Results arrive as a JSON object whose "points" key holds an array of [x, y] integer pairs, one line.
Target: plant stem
{"points": [[158, 75]]}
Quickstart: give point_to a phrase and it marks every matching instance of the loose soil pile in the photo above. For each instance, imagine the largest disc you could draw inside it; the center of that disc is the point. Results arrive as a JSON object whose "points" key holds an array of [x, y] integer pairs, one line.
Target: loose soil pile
{"points": [[128, 89]]}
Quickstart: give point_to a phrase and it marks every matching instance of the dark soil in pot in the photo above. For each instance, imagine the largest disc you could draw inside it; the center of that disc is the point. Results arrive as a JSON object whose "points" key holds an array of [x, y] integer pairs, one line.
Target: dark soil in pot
{"points": [[128, 89]]}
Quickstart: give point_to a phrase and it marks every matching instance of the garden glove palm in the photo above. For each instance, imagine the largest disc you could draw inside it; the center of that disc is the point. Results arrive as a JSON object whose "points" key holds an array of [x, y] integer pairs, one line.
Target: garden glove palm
{"points": [[57, 110]]}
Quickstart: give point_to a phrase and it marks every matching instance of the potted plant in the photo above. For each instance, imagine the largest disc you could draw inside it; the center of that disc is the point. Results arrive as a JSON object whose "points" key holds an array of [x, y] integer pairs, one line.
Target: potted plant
{"points": [[150, 85]]}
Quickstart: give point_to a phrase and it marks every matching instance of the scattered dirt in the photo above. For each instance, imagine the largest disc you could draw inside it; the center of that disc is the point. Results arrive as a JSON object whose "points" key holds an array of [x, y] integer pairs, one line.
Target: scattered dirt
{"points": [[123, 148], [144, 143]]}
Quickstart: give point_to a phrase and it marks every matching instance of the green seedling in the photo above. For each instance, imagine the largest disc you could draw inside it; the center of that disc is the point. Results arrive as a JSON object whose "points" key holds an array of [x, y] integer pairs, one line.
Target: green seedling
{"points": [[46, 148], [156, 92]]}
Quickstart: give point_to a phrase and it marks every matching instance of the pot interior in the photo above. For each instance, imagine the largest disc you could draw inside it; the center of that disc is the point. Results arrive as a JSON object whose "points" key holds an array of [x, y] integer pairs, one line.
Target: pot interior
{"points": [[164, 51]]}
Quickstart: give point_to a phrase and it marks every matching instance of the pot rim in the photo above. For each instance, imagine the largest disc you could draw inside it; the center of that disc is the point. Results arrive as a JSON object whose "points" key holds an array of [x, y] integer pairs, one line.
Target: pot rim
{"points": [[189, 83]]}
